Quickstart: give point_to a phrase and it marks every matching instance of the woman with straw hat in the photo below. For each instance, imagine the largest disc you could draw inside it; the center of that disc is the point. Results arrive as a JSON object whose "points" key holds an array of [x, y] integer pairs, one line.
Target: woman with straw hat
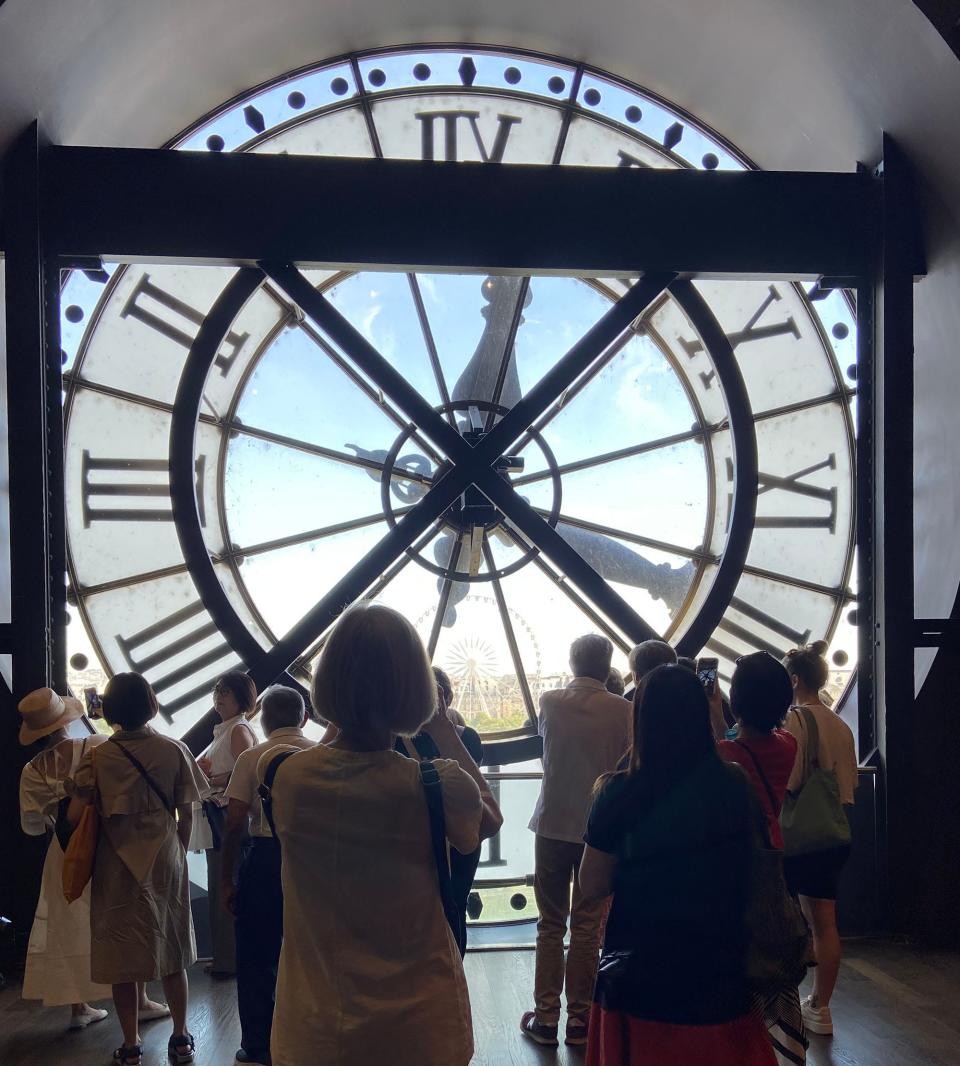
{"points": [[58, 955]]}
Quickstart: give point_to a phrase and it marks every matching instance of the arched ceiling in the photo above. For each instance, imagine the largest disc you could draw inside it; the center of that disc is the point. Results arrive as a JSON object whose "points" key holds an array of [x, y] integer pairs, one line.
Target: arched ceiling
{"points": [[826, 76], [795, 85]]}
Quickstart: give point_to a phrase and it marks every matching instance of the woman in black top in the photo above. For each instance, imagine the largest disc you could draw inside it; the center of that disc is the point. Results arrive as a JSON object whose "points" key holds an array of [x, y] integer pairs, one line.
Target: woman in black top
{"points": [[671, 838]]}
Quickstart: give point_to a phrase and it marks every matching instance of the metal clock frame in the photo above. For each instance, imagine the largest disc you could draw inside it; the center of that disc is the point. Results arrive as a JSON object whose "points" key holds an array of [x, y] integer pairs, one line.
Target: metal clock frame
{"points": [[77, 204]]}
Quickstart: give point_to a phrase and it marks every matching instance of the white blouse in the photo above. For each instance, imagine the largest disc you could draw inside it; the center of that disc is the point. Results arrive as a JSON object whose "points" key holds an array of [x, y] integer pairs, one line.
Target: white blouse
{"points": [[220, 753]]}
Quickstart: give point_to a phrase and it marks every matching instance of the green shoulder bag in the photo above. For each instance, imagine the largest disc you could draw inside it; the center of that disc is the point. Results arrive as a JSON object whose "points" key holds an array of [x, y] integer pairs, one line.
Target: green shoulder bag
{"points": [[813, 818]]}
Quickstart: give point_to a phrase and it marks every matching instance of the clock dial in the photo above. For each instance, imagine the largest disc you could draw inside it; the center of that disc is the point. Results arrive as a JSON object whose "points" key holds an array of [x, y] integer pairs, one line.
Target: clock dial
{"points": [[306, 456]]}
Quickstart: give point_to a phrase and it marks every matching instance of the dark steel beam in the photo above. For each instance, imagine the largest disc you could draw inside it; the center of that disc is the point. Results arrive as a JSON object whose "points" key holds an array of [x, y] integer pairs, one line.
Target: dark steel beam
{"points": [[155, 205], [37, 537], [898, 737]]}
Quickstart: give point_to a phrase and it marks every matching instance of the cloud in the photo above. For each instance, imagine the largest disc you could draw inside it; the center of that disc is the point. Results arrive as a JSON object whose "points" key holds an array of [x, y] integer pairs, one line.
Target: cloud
{"points": [[369, 318]]}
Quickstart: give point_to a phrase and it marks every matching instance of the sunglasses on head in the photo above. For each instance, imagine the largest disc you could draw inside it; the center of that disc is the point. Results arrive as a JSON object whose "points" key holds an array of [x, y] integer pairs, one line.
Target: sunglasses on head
{"points": [[755, 655]]}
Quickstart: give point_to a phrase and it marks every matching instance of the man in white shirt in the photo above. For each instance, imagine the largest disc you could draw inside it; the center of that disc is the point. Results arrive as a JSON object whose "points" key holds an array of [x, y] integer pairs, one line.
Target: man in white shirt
{"points": [[585, 731], [256, 901]]}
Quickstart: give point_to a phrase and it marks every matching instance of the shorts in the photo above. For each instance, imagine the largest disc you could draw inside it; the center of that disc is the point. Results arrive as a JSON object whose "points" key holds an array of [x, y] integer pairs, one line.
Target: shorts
{"points": [[816, 874]]}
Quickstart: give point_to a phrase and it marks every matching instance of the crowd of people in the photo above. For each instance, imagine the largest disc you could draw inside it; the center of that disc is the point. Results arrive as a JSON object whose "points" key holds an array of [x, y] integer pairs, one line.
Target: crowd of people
{"points": [[339, 871]]}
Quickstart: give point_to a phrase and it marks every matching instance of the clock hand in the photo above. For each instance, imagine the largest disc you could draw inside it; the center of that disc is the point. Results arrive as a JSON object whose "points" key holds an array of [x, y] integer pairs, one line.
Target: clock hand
{"points": [[405, 491], [616, 562], [478, 380]]}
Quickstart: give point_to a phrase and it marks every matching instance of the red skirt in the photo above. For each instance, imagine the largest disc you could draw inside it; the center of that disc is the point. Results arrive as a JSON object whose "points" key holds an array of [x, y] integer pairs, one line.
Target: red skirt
{"points": [[618, 1039]]}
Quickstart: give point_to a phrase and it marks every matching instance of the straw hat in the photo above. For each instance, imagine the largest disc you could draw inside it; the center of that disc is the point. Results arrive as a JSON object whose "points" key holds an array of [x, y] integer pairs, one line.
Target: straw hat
{"points": [[44, 712]]}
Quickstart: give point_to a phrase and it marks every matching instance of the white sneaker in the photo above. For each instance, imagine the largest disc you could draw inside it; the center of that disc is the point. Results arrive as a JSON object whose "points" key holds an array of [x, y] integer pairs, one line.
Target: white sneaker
{"points": [[89, 1017], [816, 1019]]}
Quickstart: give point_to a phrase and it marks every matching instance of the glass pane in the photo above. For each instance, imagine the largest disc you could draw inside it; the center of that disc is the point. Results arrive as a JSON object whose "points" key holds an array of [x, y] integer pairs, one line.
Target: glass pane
{"points": [[160, 629], [297, 392], [804, 505], [510, 854], [396, 70], [466, 128], [772, 616], [273, 491], [668, 326], [457, 307], [277, 104], [382, 308], [145, 324], [590, 143], [287, 582], [661, 495], [338, 133], [117, 476], [78, 297], [652, 119], [262, 316], [776, 344]]}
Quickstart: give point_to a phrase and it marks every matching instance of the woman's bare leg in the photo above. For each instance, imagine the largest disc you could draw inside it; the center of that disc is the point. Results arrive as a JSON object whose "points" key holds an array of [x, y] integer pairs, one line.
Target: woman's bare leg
{"points": [[176, 989], [126, 1001], [144, 1001], [822, 916]]}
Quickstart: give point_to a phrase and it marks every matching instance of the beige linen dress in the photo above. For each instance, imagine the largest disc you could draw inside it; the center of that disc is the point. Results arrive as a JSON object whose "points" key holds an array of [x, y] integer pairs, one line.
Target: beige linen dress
{"points": [[370, 972], [57, 969], [140, 901]]}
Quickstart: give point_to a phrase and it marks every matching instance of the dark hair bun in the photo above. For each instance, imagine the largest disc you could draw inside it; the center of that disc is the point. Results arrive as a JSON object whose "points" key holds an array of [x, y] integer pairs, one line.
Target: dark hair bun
{"points": [[818, 647]]}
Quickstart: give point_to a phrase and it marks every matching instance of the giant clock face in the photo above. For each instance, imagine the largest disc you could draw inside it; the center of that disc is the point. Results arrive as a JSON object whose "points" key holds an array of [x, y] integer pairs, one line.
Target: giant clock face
{"points": [[304, 457]]}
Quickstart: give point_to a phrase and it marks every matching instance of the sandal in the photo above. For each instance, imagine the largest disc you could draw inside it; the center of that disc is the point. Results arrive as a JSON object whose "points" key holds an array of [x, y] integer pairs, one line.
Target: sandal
{"points": [[128, 1056], [180, 1048]]}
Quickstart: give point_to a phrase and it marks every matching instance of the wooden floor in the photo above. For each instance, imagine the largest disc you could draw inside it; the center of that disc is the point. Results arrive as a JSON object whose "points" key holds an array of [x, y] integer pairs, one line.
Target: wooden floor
{"points": [[894, 1006]]}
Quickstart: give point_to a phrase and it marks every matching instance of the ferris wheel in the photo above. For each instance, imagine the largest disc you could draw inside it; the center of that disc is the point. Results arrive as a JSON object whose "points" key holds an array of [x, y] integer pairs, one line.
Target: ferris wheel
{"points": [[484, 676]]}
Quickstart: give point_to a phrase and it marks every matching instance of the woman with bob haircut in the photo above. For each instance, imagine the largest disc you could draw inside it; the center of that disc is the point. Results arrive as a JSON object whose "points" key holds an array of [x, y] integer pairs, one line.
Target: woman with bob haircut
{"points": [[760, 696], [671, 838], [364, 927], [144, 786]]}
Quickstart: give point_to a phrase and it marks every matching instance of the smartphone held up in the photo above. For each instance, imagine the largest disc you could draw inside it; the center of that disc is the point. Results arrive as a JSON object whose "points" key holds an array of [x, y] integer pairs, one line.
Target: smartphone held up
{"points": [[707, 673]]}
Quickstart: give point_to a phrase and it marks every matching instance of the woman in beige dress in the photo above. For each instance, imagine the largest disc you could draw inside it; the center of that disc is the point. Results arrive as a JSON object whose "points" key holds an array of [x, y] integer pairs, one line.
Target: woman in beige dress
{"points": [[370, 971], [144, 785]]}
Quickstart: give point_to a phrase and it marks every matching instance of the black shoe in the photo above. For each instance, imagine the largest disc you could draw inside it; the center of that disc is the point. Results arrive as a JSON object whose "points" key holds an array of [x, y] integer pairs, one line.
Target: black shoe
{"points": [[180, 1049], [252, 1058]]}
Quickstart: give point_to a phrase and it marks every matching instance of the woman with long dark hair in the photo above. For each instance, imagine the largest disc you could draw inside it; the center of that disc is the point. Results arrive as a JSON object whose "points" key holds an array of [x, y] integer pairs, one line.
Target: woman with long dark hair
{"points": [[671, 838]]}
